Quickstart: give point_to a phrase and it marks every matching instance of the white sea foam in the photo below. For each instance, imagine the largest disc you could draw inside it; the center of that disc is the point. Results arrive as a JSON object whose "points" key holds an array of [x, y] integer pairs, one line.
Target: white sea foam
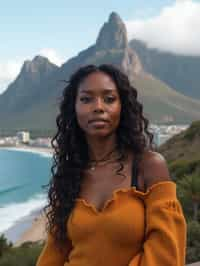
{"points": [[13, 212], [41, 152]]}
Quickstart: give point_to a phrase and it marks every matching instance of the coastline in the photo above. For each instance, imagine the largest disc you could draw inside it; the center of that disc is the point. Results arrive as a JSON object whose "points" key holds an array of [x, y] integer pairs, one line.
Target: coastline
{"points": [[31, 227], [35, 232], [40, 150]]}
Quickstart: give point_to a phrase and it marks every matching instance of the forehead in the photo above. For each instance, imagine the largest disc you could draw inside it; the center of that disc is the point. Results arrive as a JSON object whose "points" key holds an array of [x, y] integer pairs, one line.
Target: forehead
{"points": [[97, 82]]}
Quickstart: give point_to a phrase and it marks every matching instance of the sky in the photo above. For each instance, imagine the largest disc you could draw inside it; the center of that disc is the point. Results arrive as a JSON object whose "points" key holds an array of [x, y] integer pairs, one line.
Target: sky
{"points": [[61, 29]]}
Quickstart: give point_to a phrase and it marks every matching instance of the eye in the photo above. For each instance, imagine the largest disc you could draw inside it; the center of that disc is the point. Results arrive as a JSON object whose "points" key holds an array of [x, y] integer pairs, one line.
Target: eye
{"points": [[85, 99], [110, 99]]}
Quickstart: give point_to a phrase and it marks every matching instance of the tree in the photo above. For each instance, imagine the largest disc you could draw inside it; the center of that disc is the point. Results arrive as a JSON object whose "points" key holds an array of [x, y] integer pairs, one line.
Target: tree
{"points": [[193, 242], [4, 245]]}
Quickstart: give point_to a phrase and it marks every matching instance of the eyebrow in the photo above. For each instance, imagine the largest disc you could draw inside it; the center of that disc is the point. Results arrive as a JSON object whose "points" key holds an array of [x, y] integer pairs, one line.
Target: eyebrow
{"points": [[90, 91]]}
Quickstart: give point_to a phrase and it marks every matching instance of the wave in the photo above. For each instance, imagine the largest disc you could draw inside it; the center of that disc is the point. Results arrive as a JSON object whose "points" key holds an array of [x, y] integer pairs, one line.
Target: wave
{"points": [[13, 212], [11, 189], [35, 151]]}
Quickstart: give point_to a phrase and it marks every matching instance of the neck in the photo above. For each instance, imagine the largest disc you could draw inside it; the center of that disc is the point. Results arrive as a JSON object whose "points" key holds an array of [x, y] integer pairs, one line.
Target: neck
{"points": [[98, 148]]}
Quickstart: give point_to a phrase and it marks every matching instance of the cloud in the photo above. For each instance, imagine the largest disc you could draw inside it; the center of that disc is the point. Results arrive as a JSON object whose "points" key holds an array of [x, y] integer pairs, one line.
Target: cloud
{"points": [[181, 1], [52, 55], [8, 72], [175, 29]]}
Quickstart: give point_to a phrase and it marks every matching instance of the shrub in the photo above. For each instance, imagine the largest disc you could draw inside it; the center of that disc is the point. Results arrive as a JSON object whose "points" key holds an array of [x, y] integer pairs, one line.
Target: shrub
{"points": [[193, 242]]}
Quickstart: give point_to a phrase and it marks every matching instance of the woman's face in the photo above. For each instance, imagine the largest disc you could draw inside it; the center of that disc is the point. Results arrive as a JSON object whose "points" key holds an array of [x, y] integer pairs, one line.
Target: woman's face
{"points": [[98, 98]]}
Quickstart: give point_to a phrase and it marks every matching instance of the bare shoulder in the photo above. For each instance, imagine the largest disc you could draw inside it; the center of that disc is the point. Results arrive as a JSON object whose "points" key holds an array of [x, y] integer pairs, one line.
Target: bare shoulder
{"points": [[154, 168]]}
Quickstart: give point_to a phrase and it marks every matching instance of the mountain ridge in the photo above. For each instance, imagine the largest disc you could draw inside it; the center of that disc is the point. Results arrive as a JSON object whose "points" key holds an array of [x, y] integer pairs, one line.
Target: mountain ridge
{"points": [[33, 103], [181, 72]]}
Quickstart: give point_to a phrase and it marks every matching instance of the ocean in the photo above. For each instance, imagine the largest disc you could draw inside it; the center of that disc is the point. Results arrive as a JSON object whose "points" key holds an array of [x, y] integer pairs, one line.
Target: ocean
{"points": [[22, 175]]}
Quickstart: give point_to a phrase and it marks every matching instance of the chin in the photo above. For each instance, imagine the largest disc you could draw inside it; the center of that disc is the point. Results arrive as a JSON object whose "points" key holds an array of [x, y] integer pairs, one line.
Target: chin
{"points": [[99, 133]]}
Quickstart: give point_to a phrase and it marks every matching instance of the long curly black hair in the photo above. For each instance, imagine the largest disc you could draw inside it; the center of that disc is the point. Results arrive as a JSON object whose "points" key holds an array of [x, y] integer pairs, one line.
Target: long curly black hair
{"points": [[71, 151]]}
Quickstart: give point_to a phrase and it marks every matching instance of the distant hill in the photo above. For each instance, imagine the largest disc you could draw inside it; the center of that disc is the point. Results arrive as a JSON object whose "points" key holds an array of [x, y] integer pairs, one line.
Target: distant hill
{"points": [[178, 71], [182, 151], [31, 101], [29, 87]]}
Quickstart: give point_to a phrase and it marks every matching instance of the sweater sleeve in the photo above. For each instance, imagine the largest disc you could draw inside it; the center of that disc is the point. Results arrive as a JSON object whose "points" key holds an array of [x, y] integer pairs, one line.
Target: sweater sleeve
{"points": [[51, 255], [165, 231]]}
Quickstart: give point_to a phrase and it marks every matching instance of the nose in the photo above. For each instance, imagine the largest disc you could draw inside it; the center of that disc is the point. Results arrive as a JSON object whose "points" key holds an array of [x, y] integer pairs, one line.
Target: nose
{"points": [[99, 105]]}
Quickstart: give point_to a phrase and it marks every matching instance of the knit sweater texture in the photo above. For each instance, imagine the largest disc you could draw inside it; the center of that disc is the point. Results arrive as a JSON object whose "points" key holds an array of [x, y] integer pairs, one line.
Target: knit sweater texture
{"points": [[134, 228]]}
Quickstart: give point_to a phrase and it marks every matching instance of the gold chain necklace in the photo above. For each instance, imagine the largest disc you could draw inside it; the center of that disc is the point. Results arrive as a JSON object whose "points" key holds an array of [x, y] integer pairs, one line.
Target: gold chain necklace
{"points": [[102, 161]]}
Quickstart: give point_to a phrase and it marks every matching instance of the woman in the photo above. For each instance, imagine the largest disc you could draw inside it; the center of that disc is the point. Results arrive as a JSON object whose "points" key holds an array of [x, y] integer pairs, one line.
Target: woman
{"points": [[111, 199]]}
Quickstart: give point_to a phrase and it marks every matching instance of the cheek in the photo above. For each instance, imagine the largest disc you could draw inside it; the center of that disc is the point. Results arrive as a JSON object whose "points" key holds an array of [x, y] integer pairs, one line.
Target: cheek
{"points": [[116, 114], [81, 115]]}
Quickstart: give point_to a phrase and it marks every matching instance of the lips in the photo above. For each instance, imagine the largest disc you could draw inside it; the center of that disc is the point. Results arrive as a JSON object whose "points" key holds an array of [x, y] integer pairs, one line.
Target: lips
{"points": [[98, 120]]}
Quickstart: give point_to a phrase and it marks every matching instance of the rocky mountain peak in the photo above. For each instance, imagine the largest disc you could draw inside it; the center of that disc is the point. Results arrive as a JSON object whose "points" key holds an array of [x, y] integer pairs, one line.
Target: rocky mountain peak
{"points": [[113, 34], [38, 64], [115, 18], [38, 59]]}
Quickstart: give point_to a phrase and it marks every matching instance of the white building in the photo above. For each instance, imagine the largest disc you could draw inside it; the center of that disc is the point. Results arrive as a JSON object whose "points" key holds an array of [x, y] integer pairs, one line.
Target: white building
{"points": [[41, 142], [23, 136]]}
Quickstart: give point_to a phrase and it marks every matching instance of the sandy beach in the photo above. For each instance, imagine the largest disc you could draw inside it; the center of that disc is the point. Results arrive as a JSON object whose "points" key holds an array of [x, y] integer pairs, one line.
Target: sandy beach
{"points": [[36, 231], [31, 227]]}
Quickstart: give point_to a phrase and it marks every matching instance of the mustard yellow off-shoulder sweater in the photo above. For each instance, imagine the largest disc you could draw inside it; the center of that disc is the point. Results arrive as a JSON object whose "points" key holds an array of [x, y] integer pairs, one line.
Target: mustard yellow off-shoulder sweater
{"points": [[133, 229]]}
